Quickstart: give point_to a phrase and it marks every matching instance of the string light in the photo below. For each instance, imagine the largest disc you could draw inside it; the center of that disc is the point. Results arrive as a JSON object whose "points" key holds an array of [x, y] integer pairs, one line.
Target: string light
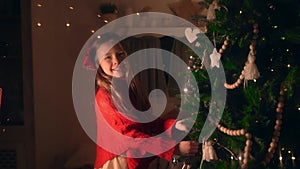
{"points": [[39, 5], [98, 36], [241, 12], [93, 31], [106, 21], [299, 108], [137, 13], [99, 16], [71, 7], [39, 24], [68, 24], [288, 65], [280, 158]]}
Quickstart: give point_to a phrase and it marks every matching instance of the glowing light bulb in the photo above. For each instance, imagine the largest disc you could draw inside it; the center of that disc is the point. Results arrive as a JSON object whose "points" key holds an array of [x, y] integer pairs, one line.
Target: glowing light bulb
{"points": [[71, 7], [293, 158], [137, 13], [93, 31], [99, 16], [241, 12], [288, 65], [39, 24], [68, 24], [39, 5], [280, 158], [106, 21]]}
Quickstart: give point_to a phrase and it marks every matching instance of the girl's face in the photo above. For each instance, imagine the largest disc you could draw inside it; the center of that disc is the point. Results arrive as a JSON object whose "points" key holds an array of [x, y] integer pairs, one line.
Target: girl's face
{"points": [[110, 61]]}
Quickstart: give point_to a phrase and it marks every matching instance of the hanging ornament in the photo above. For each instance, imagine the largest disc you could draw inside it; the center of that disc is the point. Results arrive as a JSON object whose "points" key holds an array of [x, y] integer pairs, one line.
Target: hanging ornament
{"points": [[211, 14], [208, 152], [215, 59], [251, 71]]}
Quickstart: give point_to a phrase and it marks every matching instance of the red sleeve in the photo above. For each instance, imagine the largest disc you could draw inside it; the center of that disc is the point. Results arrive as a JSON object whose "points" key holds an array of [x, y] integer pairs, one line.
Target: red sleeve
{"points": [[105, 109]]}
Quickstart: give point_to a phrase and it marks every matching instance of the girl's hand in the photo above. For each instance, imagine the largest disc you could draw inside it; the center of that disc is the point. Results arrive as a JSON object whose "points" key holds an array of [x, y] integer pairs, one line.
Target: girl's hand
{"points": [[187, 148]]}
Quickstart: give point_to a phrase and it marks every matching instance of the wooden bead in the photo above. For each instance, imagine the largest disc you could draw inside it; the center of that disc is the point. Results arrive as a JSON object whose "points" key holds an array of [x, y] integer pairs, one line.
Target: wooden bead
{"points": [[247, 149], [277, 127], [255, 25], [270, 155], [226, 42], [276, 133], [224, 47], [245, 160], [221, 51], [255, 37], [281, 92], [248, 135], [279, 110], [271, 150], [273, 145], [281, 98], [278, 122], [280, 105], [279, 116], [255, 31], [243, 131], [275, 139], [248, 142]]}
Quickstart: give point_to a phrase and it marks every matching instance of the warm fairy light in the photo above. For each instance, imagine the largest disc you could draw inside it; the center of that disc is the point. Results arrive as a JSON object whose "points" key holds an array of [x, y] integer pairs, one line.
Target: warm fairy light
{"points": [[185, 89], [68, 24], [287, 50], [231, 157], [188, 68], [39, 24], [71, 7], [39, 5], [282, 38], [106, 21], [254, 80], [272, 70], [282, 149], [263, 38], [275, 27], [137, 13], [299, 108], [293, 158], [280, 158], [240, 158], [241, 12], [288, 65], [191, 57], [99, 16], [98, 36], [289, 151], [93, 31]]}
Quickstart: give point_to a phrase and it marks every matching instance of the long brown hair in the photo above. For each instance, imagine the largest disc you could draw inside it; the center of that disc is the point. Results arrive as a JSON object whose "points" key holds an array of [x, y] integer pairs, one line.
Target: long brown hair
{"points": [[138, 96]]}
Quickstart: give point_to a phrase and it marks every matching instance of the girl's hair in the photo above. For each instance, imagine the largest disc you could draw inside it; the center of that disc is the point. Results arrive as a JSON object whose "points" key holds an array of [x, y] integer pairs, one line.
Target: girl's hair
{"points": [[102, 80]]}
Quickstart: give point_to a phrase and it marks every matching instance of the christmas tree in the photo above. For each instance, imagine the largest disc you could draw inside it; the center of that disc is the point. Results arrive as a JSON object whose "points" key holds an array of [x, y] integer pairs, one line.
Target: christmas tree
{"points": [[257, 42]]}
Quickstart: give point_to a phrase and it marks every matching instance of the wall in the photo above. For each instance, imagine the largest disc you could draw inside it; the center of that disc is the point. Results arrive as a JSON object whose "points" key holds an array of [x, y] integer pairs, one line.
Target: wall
{"points": [[55, 49]]}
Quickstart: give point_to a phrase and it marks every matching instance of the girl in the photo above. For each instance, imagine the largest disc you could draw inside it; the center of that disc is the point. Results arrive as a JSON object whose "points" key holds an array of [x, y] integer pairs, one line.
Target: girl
{"points": [[115, 116]]}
